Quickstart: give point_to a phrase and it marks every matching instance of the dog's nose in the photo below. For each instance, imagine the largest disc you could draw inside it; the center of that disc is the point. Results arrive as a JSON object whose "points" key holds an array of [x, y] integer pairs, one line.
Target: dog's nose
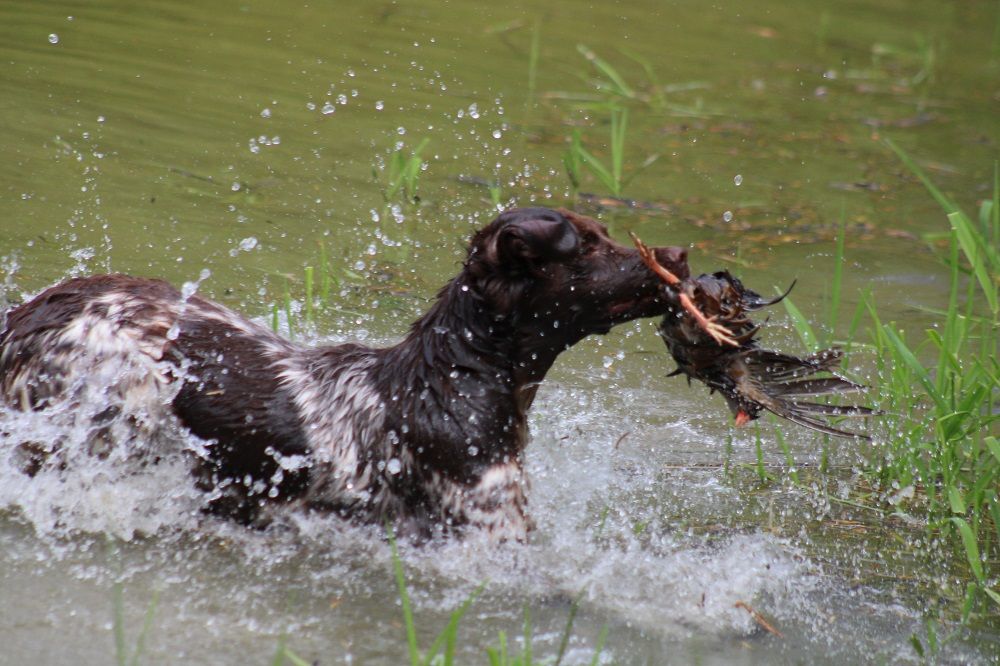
{"points": [[674, 259]]}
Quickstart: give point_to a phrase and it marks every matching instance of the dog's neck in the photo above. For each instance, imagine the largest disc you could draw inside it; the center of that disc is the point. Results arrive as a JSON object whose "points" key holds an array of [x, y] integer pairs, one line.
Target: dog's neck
{"points": [[464, 378]]}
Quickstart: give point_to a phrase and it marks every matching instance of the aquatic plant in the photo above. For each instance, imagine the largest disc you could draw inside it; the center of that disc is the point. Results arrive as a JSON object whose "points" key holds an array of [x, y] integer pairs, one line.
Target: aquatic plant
{"points": [[283, 654], [536, 49], [124, 656], [318, 282], [402, 171], [442, 649], [612, 174], [942, 436], [939, 452], [922, 57], [611, 87]]}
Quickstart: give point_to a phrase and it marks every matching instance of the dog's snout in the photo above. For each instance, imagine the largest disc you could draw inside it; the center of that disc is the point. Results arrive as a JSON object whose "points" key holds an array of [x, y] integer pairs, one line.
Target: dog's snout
{"points": [[674, 259]]}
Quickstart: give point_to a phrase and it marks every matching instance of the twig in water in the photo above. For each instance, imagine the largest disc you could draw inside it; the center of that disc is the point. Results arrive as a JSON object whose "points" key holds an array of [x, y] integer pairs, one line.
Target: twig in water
{"points": [[759, 619]]}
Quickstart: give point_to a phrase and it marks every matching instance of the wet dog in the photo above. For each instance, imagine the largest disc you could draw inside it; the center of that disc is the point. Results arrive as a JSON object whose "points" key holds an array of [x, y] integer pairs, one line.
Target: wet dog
{"points": [[428, 433]]}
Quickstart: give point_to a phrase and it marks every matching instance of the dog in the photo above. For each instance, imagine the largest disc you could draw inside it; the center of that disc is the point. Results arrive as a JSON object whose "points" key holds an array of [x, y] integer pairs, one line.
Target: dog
{"points": [[427, 434]]}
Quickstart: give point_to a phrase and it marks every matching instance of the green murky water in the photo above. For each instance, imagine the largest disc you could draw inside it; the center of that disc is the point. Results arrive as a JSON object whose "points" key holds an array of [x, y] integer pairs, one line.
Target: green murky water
{"points": [[251, 139]]}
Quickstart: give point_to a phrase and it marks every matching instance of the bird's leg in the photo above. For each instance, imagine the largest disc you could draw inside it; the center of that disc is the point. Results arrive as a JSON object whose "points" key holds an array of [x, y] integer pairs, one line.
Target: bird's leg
{"points": [[718, 332]]}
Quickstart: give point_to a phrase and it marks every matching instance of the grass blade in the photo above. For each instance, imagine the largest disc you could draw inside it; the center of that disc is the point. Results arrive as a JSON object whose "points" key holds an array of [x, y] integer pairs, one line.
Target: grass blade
{"points": [[599, 648], [620, 87], [448, 635], [994, 446], [977, 253], [971, 548], [946, 203], [838, 274], [526, 654], [564, 642], [404, 598], [147, 623], [536, 48], [907, 356], [118, 622], [599, 170], [802, 326]]}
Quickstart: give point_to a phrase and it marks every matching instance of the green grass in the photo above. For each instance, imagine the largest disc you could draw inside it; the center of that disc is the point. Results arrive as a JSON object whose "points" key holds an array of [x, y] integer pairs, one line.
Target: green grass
{"points": [[610, 173], [402, 173], [940, 391], [124, 656], [317, 290], [440, 653], [608, 85], [442, 649]]}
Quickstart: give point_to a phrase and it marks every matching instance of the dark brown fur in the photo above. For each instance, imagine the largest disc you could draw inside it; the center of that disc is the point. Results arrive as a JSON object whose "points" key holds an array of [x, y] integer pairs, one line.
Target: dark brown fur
{"points": [[429, 431]]}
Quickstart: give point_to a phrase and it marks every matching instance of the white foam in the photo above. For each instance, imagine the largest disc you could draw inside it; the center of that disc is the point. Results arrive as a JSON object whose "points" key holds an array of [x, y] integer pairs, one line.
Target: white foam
{"points": [[89, 482], [610, 532]]}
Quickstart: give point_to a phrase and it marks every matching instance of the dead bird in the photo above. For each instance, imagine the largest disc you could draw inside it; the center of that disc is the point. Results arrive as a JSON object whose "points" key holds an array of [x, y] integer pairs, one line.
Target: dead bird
{"points": [[711, 336]]}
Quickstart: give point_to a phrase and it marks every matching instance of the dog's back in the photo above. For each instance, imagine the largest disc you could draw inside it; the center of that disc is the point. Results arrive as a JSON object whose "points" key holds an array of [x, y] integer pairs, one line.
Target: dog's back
{"points": [[429, 432]]}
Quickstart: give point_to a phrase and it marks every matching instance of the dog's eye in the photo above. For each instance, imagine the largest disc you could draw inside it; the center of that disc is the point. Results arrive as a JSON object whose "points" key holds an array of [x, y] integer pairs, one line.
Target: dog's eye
{"points": [[590, 241]]}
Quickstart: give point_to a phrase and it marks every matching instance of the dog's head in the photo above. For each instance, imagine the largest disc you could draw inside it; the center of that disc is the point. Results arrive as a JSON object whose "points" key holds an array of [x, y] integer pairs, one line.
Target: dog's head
{"points": [[557, 276]]}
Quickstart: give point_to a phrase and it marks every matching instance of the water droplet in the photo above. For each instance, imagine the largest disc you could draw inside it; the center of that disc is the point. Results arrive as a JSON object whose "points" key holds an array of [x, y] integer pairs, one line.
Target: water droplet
{"points": [[53, 38], [727, 216], [328, 108], [394, 466], [265, 113], [473, 451], [248, 243], [497, 134], [738, 180], [379, 105]]}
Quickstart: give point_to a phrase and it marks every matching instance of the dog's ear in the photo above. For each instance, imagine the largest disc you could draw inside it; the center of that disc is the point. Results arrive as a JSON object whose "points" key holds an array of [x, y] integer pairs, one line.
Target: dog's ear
{"points": [[535, 234]]}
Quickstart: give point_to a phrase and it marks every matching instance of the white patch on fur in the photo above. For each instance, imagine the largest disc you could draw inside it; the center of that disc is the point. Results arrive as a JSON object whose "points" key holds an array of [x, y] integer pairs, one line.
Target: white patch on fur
{"points": [[496, 503], [343, 416], [113, 354]]}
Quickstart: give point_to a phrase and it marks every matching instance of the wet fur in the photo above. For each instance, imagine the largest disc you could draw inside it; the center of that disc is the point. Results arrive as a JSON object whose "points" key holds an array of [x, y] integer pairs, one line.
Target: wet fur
{"points": [[428, 433]]}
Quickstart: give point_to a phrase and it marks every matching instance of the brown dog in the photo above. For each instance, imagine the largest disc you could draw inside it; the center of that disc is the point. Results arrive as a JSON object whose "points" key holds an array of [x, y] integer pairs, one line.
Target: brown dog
{"points": [[428, 433]]}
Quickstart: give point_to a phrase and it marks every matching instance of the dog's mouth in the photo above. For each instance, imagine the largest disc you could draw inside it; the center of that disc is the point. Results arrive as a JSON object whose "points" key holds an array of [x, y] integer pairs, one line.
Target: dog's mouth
{"points": [[651, 304], [632, 292], [651, 298]]}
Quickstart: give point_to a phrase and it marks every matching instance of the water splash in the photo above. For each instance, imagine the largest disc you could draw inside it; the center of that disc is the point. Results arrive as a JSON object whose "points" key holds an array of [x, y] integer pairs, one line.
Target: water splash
{"points": [[607, 535]]}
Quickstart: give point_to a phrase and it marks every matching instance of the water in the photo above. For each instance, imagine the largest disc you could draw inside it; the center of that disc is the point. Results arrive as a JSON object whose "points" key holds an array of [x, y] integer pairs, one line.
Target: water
{"points": [[241, 138]]}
